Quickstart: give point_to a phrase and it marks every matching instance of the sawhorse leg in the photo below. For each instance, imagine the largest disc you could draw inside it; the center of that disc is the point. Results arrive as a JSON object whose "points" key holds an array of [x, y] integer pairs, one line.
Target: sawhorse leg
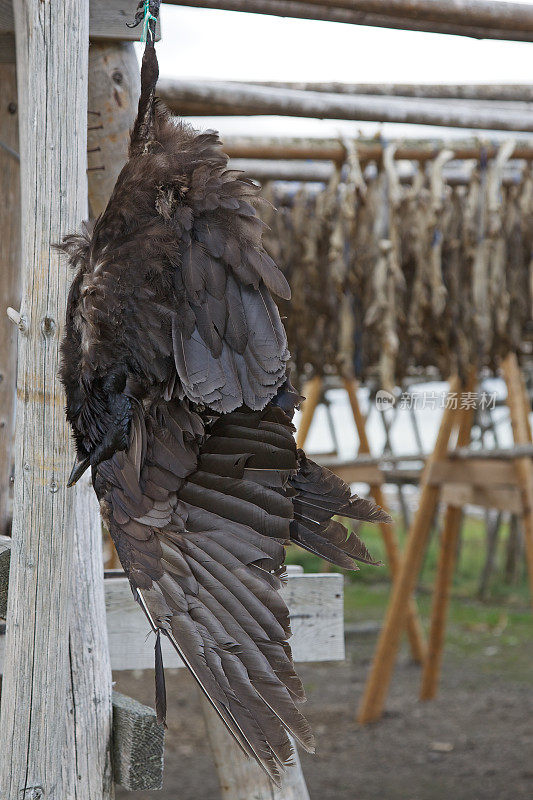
{"points": [[377, 685], [414, 628]]}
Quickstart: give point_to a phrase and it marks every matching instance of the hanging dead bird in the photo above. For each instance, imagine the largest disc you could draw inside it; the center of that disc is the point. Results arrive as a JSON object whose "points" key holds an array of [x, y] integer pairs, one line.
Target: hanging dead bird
{"points": [[174, 368]]}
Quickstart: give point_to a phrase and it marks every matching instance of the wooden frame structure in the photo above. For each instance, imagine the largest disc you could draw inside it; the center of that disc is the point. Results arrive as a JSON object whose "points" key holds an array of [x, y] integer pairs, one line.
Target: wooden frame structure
{"points": [[56, 716], [503, 483]]}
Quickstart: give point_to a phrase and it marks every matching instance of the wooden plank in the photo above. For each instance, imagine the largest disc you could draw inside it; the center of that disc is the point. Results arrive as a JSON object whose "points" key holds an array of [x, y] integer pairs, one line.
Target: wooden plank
{"points": [[331, 12], [107, 20], [474, 472], [235, 98], [138, 745], [356, 473], [373, 700], [502, 498], [388, 532], [55, 720], [9, 283], [315, 602], [240, 777]]}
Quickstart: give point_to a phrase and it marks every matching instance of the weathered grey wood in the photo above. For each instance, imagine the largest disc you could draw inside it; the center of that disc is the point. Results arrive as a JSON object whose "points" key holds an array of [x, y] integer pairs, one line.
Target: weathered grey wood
{"points": [[332, 12], [241, 778], [47, 737], [9, 283], [234, 98], [114, 88], [315, 602], [482, 13], [138, 745], [5, 557], [107, 20], [516, 92]]}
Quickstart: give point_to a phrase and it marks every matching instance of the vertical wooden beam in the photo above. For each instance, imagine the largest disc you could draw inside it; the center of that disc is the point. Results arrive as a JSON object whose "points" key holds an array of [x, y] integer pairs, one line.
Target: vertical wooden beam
{"points": [[240, 777], [377, 685], [312, 392], [56, 709], [443, 580], [524, 466], [414, 628], [114, 88], [9, 282]]}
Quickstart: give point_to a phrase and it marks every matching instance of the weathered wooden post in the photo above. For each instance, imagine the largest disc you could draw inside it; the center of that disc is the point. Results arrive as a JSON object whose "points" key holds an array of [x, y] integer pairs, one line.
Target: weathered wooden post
{"points": [[9, 280], [56, 704], [114, 88]]}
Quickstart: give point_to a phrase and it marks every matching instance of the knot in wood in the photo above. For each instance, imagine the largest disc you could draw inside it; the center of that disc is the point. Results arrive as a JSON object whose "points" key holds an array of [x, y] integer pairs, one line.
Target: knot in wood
{"points": [[32, 793], [117, 76], [12, 108], [48, 326]]}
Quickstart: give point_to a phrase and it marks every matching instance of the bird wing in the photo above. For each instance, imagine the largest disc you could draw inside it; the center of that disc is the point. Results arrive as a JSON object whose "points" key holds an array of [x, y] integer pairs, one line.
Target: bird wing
{"points": [[203, 549]]}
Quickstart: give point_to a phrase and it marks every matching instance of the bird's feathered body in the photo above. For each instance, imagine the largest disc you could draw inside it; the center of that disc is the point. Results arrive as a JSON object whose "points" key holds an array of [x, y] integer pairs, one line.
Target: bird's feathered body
{"points": [[174, 369]]}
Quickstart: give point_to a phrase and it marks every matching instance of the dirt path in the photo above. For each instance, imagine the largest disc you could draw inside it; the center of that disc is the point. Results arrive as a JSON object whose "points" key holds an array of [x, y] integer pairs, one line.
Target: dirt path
{"points": [[475, 742]]}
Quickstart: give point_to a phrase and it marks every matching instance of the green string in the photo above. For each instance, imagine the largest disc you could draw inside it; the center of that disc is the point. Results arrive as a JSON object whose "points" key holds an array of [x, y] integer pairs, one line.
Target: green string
{"points": [[148, 17]]}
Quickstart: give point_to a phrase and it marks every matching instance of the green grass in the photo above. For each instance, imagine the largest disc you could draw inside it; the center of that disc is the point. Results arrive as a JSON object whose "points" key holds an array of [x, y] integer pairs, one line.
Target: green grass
{"points": [[497, 632]]}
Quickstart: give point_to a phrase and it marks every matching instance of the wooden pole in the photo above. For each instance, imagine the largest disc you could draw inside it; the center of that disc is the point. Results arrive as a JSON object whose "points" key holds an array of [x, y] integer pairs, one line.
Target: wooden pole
{"points": [[188, 96], [56, 706], [507, 92], [480, 13], [312, 392], [9, 283], [114, 88], [328, 150], [445, 569], [524, 465], [240, 777], [415, 633], [330, 11], [378, 681]]}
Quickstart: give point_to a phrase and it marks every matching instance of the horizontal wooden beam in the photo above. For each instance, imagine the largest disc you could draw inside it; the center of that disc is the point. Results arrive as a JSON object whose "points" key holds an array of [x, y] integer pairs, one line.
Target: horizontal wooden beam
{"points": [[233, 98], [107, 21], [315, 603], [477, 13], [320, 172], [333, 150], [484, 472], [507, 92], [332, 11], [501, 498], [138, 745]]}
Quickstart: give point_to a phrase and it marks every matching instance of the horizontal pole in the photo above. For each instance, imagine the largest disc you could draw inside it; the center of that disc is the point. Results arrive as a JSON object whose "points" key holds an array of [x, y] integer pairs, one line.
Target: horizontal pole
{"points": [[332, 12], [321, 171], [475, 13], [234, 98], [290, 149], [507, 92]]}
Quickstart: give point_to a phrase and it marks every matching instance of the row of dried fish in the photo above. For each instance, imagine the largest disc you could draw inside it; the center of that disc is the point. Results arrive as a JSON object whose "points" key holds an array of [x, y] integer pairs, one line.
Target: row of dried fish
{"points": [[390, 276]]}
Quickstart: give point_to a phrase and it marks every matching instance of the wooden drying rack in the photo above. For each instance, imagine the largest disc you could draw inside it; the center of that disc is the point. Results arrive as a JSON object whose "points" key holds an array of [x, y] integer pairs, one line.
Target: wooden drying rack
{"points": [[499, 479]]}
